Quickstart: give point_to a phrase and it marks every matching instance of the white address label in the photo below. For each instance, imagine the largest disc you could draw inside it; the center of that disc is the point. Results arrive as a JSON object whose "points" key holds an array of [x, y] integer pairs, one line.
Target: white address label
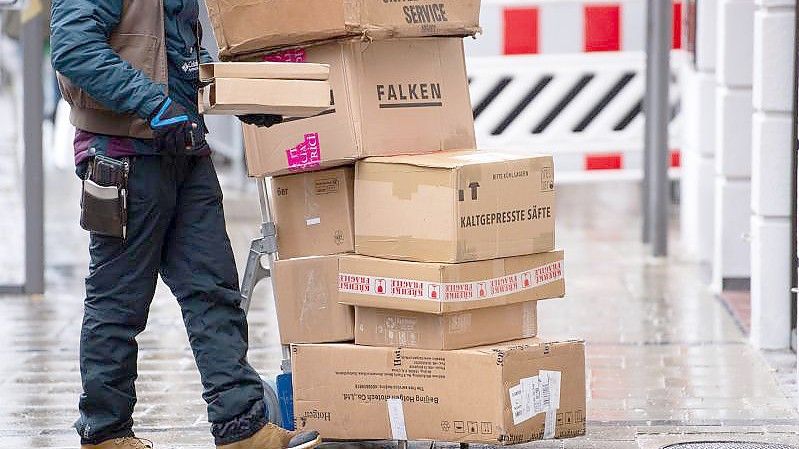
{"points": [[534, 395]]}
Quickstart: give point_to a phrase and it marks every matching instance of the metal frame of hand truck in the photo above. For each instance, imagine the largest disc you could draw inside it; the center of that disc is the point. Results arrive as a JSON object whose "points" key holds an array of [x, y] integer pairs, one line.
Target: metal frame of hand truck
{"points": [[265, 247]]}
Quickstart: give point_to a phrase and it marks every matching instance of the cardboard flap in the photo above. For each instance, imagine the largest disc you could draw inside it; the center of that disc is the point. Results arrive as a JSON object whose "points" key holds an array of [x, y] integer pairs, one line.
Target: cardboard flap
{"points": [[265, 70], [449, 159]]}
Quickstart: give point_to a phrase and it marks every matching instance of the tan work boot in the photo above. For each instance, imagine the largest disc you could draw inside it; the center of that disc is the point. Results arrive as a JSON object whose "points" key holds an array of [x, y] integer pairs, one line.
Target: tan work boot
{"points": [[274, 437], [121, 443]]}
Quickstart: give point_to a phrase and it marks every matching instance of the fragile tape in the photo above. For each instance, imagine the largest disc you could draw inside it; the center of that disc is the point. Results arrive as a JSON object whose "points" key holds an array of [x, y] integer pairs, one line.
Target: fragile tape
{"points": [[451, 291]]}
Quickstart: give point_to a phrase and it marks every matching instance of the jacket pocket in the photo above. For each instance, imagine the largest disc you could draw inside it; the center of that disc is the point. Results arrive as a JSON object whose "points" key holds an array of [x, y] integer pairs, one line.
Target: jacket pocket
{"points": [[140, 50]]}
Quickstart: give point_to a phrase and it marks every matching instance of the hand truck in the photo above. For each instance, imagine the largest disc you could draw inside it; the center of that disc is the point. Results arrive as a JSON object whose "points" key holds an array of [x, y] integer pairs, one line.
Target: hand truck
{"points": [[278, 394]]}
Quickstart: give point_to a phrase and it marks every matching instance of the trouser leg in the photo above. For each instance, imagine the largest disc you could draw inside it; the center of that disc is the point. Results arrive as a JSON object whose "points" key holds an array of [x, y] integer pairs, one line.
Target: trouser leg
{"points": [[119, 289], [199, 267]]}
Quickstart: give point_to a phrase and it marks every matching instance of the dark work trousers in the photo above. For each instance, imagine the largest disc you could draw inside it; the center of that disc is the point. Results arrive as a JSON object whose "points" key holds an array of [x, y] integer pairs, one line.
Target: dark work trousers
{"points": [[176, 227]]}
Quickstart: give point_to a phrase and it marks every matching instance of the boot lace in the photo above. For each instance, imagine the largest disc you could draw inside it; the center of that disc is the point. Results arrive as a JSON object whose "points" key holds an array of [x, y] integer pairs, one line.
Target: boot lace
{"points": [[134, 443]]}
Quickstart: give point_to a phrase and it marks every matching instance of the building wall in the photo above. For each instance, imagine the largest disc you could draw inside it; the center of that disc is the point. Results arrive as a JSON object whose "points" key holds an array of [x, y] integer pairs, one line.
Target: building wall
{"points": [[699, 145], [733, 130], [772, 99]]}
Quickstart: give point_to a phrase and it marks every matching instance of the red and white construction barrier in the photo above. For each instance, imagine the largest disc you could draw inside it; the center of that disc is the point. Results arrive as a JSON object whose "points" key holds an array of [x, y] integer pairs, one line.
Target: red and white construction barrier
{"points": [[512, 27]]}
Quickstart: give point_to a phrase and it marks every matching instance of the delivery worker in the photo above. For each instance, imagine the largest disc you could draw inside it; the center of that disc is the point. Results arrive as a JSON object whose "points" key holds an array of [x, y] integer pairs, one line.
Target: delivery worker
{"points": [[129, 69]]}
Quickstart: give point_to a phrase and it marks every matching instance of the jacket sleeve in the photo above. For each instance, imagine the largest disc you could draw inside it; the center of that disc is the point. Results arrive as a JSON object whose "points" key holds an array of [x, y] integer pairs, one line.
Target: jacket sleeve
{"points": [[80, 30], [205, 57]]}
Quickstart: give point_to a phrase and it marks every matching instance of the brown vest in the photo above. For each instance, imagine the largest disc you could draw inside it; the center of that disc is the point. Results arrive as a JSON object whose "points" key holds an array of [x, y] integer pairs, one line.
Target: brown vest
{"points": [[139, 40]]}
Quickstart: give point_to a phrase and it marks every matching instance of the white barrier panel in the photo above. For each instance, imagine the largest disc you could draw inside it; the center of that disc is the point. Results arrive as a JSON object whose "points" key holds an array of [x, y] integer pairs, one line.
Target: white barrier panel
{"points": [[586, 109]]}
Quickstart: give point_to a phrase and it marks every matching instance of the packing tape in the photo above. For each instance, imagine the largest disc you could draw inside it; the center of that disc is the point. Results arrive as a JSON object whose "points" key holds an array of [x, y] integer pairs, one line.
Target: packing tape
{"points": [[451, 291], [403, 180], [549, 424], [396, 416], [399, 246]]}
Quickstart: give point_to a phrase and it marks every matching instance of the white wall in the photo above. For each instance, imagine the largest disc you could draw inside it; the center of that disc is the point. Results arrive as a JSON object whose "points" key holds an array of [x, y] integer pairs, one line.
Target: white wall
{"points": [[772, 98], [699, 148], [734, 53]]}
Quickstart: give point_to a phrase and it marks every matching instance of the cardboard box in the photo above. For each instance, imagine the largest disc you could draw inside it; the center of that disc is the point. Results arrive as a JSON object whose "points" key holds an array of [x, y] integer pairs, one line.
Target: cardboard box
{"points": [[246, 27], [306, 300], [390, 97], [454, 206], [446, 288], [314, 213], [287, 89], [505, 394], [289, 98], [385, 327]]}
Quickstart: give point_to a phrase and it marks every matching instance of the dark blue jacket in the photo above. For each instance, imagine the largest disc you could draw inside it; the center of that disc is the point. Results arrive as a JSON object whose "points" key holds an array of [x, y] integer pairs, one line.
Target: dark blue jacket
{"points": [[81, 52]]}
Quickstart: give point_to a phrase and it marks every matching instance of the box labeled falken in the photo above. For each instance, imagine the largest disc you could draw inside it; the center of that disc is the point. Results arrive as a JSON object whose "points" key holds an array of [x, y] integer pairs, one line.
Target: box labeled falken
{"points": [[314, 212], [454, 206], [439, 288], [246, 27], [466, 329], [389, 97], [503, 394]]}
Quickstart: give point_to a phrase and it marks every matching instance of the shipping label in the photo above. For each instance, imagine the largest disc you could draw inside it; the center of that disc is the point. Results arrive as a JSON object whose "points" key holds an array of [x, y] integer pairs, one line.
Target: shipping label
{"points": [[307, 154], [326, 186], [534, 395], [453, 291]]}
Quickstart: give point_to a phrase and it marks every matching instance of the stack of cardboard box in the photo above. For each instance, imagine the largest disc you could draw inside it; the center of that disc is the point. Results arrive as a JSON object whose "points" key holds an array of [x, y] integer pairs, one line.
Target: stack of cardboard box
{"points": [[427, 254]]}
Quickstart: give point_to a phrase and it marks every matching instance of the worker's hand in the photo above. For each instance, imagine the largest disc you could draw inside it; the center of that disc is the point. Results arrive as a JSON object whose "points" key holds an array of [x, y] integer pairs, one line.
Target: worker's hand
{"points": [[261, 120], [174, 132]]}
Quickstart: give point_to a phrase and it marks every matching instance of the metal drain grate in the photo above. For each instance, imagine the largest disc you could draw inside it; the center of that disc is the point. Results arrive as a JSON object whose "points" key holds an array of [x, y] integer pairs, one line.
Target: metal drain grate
{"points": [[728, 445]]}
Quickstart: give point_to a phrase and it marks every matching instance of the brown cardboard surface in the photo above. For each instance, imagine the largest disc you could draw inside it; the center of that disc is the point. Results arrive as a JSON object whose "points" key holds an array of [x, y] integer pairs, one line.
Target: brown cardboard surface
{"points": [[265, 70], [289, 98], [313, 212], [401, 328], [389, 97], [454, 206], [352, 392], [306, 300], [246, 27], [446, 288]]}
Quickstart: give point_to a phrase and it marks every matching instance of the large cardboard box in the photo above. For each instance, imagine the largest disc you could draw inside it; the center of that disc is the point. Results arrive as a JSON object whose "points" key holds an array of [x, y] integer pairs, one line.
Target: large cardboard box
{"points": [[314, 212], [306, 300], [454, 206], [390, 97], [287, 89], [505, 394], [245, 27], [446, 288], [386, 327]]}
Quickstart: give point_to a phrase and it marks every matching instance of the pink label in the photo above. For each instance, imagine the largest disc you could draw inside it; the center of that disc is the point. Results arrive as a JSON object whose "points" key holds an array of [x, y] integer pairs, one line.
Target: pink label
{"points": [[294, 55], [305, 155]]}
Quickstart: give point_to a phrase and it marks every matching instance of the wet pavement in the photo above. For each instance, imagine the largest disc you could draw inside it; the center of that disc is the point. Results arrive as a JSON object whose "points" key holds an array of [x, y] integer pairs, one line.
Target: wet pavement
{"points": [[667, 361]]}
